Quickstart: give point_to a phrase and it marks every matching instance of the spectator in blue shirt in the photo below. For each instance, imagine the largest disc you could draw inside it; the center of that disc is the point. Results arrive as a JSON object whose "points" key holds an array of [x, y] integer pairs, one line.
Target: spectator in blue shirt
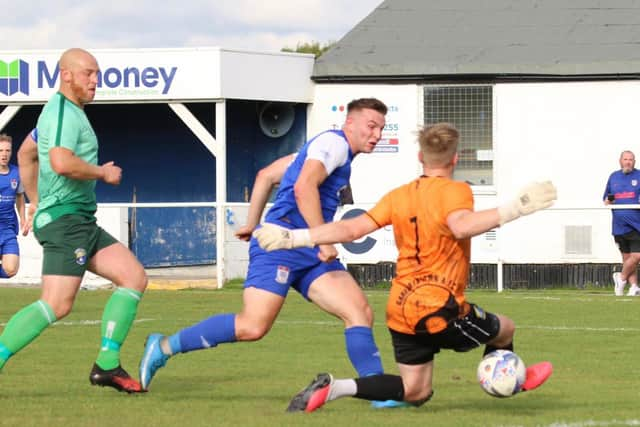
{"points": [[623, 188]]}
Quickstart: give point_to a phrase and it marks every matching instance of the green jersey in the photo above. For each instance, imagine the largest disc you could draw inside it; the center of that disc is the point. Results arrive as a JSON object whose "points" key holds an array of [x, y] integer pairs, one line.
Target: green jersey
{"points": [[63, 124]]}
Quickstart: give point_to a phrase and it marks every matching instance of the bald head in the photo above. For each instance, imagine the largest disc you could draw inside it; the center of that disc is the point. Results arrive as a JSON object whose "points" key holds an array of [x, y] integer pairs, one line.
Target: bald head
{"points": [[73, 57], [78, 75]]}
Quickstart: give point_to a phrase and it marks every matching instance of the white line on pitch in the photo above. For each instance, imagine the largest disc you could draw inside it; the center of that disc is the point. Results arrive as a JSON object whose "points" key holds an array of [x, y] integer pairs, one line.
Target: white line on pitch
{"points": [[576, 328], [589, 423], [550, 328], [86, 322]]}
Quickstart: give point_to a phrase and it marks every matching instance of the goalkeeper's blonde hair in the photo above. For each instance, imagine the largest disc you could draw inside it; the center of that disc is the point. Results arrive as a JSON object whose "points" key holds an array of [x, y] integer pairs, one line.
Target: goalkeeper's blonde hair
{"points": [[438, 143]]}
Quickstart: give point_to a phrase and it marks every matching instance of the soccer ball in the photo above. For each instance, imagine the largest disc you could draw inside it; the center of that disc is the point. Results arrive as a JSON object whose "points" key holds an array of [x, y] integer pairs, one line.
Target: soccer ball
{"points": [[501, 373]]}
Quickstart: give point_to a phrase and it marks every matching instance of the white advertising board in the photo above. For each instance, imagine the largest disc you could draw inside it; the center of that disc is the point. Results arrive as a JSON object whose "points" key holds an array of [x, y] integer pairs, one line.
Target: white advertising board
{"points": [[125, 75], [137, 75]]}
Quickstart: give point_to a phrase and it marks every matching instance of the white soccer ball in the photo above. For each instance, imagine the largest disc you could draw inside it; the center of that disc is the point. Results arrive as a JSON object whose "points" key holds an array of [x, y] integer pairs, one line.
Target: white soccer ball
{"points": [[502, 373]]}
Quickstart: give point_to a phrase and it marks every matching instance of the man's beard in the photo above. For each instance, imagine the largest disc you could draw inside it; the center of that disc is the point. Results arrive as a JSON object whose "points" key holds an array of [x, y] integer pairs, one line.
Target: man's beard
{"points": [[82, 95]]}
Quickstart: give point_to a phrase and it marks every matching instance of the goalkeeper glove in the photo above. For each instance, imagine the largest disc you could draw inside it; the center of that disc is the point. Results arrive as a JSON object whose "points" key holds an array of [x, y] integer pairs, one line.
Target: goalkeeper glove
{"points": [[532, 198], [272, 237]]}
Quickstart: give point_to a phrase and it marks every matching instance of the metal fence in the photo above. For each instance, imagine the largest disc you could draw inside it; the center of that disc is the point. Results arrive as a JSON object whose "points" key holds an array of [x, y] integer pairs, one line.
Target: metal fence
{"points": [[514, 276]]}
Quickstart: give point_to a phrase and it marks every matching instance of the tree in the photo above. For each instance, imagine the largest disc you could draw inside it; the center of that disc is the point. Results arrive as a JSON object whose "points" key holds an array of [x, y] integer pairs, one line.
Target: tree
{"points": [[313, 47]]}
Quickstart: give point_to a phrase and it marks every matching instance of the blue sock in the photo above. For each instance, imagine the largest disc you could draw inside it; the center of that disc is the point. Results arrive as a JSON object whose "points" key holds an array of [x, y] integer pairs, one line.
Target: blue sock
{"points": [[210, 332], [3, 274], [174, 343], [363, 351]]}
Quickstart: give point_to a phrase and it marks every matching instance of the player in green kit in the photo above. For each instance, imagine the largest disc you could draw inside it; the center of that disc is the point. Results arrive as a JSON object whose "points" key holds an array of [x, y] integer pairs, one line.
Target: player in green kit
{"points": [[65, 226]]}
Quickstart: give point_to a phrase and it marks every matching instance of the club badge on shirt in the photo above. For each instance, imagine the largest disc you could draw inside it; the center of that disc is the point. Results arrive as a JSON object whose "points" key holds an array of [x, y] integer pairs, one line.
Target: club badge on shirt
{"points": [[634, 182], [282, 275], [14, 184], [81, 256]]}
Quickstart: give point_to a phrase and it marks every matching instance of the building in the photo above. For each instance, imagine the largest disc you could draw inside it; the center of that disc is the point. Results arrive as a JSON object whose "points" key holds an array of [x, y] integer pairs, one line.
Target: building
{"points": [[189, 127], [539, 90]]}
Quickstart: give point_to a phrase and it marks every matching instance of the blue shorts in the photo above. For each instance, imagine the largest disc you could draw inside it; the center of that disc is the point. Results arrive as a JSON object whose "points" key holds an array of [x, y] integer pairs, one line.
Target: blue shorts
{"points": [[276, 271], [9, 244]]}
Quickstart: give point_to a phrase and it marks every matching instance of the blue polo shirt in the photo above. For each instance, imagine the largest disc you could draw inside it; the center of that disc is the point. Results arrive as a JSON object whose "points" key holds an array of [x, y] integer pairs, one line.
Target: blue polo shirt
{"points": [[626, 189]]}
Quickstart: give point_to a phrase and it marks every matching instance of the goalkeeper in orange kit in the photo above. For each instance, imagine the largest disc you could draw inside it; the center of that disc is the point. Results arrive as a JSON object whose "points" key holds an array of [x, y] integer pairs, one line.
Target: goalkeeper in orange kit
{"points": [[433, 222]]}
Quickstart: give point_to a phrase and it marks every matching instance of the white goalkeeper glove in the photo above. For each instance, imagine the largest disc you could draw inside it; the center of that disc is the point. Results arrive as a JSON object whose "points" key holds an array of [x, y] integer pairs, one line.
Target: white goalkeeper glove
{"points": [[272, 237], [532, 198]]}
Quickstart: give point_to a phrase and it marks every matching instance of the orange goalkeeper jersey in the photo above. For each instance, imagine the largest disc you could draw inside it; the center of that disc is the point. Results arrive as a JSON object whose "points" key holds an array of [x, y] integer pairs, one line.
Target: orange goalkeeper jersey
{"points": [[433, 267]]}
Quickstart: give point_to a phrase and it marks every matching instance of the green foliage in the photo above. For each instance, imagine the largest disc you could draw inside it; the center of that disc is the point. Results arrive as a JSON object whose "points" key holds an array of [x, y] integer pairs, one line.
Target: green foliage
{"points": [[591, 338], [314, 47]]}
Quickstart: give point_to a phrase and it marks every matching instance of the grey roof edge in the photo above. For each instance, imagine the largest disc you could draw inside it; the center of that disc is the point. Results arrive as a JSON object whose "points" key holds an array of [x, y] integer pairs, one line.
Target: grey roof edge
{"points": [[563, 38], [471, 78], [557, 68]]}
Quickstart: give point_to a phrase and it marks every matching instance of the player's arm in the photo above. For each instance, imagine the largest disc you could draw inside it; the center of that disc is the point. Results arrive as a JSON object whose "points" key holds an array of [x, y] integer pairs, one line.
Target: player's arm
{"points": [[465, 223], [28, 166], [343, 231], [272, 237], [20, 208], [307, 193], [267, 178], [64, 162], [324, 155]]}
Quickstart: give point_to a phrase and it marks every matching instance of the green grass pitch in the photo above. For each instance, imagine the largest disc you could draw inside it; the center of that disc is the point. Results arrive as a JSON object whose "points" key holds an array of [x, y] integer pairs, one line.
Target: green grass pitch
{"points": [[591, 337]]}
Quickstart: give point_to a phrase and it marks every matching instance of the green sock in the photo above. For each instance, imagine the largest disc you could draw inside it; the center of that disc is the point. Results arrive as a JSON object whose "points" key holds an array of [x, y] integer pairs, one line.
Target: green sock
{"points": [[117, 318], [24, 327]]}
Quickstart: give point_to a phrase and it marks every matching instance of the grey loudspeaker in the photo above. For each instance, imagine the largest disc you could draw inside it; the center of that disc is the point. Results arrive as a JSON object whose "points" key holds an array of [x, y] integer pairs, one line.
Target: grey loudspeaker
{"points": [[276, 118]]}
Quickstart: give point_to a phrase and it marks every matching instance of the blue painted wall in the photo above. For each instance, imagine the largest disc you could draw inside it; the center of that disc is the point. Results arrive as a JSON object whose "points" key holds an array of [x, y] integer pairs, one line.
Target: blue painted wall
{"points": [[163, 161]]}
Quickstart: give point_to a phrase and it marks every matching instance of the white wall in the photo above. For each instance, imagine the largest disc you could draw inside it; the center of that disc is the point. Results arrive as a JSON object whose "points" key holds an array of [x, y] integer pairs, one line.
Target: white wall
{"points": [[571, 133]]}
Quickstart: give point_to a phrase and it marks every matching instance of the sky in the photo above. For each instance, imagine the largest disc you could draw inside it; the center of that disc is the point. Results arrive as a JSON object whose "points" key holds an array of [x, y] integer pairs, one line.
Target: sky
{"points": [[263, 25]]}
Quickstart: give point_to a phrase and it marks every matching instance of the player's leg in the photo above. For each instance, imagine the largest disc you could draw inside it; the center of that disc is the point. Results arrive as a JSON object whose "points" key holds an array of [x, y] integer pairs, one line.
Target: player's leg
{"points": [[325, 388], [10, 257], [265, 290], [90, 247], [337, 293], [10, 265], [62, 273], [413, 386], [503, 340], [56, 301], [259, 311], [116, 263]]}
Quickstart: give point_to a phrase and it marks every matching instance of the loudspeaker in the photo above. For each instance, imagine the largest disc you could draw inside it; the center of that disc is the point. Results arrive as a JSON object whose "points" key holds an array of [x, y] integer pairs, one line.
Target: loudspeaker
{"points": [[276, 118]]}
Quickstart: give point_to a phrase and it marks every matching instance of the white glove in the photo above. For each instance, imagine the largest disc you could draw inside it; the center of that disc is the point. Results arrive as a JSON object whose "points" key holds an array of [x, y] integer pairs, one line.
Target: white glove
{"points": [[272, 237], [533, 197]]}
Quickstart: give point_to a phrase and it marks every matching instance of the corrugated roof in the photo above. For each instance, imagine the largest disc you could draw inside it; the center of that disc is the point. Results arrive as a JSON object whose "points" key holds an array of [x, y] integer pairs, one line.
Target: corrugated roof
{"points": [[432, 39]]}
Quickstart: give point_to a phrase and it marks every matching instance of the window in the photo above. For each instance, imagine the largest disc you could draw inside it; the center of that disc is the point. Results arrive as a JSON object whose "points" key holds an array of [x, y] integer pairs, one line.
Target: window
{"points": [[470, 109], [577, 240]]}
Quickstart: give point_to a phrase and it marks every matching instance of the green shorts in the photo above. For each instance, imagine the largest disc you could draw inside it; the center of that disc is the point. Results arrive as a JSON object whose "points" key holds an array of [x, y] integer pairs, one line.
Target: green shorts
{"points": [[69, 243]]}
